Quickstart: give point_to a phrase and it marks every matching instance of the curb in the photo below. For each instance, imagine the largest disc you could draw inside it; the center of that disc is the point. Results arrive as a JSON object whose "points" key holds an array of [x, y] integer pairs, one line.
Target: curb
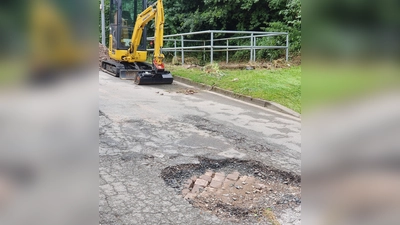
{"points": [[256, 101]]}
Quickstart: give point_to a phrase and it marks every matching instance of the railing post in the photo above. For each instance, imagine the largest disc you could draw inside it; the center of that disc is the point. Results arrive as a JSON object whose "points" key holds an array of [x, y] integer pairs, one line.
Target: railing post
{"points": [[182, 53], [255, 45], [212, 50], [175, 47], [251, 47], [227, 52], [287, 47], [204, 51]]}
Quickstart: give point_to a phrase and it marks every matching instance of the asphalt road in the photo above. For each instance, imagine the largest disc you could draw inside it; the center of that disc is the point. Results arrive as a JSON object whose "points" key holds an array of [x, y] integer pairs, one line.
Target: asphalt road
{"points": [[144, 129]]}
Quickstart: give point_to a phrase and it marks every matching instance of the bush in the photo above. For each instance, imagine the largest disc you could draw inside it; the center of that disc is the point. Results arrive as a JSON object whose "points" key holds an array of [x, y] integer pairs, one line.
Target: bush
{"points": [[290, 23]]}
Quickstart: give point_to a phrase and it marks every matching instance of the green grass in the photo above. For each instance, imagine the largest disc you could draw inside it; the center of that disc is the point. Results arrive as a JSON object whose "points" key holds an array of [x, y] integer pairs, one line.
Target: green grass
{"points": [[325, 84], [11, 72], [282, 86]]}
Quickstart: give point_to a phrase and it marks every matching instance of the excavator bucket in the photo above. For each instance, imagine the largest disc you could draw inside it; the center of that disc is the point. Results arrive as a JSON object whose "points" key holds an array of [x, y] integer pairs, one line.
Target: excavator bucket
{"points": [[153, 78]]}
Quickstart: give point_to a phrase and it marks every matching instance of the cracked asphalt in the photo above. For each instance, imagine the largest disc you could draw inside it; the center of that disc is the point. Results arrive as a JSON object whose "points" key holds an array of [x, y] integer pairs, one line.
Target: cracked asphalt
{"points": [[144, 129]]}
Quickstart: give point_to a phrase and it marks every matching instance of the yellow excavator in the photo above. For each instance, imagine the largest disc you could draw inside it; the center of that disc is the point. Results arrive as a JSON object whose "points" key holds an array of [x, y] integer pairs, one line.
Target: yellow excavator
{"points": [[56, 42], [127, 43]]}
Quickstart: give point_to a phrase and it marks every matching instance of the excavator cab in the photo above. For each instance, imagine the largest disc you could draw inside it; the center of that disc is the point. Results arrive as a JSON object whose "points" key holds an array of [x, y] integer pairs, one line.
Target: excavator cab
{"points": [[123, 14]]}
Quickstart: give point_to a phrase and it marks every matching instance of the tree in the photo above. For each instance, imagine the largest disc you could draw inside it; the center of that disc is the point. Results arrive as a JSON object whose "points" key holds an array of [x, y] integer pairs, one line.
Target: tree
{"points": [[249, 15], [107, 20]]}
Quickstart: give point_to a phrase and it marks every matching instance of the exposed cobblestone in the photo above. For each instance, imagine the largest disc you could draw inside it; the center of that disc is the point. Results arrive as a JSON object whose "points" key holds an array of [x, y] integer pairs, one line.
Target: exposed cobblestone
{"points": [[233, 176], [134, 152], [206, 178], [242, 197]]}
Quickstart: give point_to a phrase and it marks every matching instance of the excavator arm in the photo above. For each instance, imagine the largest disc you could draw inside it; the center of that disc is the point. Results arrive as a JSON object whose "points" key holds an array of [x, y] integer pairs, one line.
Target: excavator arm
{"points": [[156, 10]]}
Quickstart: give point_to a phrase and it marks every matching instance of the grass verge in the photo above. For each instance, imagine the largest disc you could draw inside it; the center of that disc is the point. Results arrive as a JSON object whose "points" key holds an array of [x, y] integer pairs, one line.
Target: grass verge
{"points": [[282, 86], [325, 84]]}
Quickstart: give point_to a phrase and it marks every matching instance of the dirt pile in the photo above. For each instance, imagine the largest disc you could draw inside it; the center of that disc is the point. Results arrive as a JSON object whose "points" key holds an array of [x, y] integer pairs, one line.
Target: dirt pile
{"points": [[103, 53], [275, 64], [187, 91], [260, 64], [296, 60]]}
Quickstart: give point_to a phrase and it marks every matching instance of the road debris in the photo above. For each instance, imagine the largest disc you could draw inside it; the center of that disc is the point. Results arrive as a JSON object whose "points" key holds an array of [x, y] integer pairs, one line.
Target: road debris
{"points": [[187, 91]]}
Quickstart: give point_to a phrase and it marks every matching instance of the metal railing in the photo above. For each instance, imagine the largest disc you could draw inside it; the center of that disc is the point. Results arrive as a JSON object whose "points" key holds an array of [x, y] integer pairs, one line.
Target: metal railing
{"points": [[210, 44]]}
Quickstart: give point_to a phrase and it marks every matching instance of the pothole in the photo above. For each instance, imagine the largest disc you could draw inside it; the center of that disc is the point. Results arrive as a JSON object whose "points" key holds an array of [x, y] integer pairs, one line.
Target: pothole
{"points": [[236, 190]]}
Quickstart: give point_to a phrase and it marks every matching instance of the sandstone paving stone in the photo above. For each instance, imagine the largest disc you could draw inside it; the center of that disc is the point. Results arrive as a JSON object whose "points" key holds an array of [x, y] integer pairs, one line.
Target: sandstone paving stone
{"points": [[228, 184], [233, 176], [196, 189], [185, 191], [209, 173], [210, 189], [201, 182], [219, 177], [190, 195], [215, 184], [205, 177], [188, 184], [221, 174], [207, 193], [194, 178]]}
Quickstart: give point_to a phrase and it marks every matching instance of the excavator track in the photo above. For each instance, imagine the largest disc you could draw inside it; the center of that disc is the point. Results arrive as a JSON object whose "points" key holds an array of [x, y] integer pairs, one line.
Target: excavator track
{"points": [[141, 73]]}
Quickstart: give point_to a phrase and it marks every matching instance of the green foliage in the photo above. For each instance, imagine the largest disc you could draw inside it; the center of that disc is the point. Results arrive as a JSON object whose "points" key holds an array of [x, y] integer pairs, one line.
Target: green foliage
{"points": [[215, 15], [250, 15], [241, 55], [256, 15], [291, 23], [107, 20]]}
